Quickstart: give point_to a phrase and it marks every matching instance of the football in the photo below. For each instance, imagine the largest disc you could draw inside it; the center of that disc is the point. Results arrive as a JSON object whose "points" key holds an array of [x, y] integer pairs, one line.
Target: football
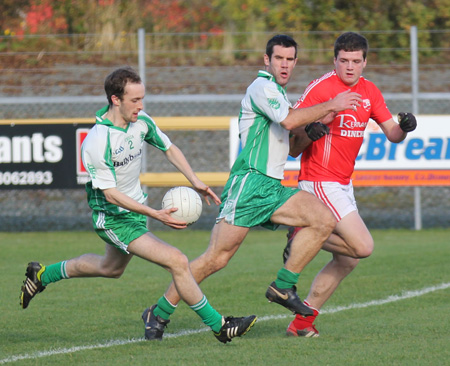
{"points": [[187, 201]]}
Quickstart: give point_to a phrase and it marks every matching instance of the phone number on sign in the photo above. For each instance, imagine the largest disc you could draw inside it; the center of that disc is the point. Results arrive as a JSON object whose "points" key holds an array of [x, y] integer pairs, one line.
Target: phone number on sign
{"points": [[25, 178]]}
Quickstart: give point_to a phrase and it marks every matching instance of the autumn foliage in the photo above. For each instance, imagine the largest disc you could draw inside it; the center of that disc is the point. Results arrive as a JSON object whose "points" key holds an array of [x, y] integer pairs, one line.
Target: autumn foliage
{"points": [[222, 25]]}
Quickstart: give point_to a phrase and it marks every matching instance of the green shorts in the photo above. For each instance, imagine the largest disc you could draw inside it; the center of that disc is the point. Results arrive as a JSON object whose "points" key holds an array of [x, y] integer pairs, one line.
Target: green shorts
{"points": [[250, 200], [119, 230]]}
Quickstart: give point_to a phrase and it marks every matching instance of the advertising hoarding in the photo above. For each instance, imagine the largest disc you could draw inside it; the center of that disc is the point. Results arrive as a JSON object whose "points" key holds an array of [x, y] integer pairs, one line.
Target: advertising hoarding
{"points": [[42, 156], [422, 159]]}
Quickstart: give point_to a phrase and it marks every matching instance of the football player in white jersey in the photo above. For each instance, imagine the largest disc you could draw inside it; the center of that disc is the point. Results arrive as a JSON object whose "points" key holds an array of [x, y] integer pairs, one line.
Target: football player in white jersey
{"points": [[112, 154], [254, 195]]}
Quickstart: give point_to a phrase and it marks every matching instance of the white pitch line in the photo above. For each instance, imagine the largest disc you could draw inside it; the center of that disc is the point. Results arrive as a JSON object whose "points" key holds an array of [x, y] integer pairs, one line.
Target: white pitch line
{"points": [[393, 298]]}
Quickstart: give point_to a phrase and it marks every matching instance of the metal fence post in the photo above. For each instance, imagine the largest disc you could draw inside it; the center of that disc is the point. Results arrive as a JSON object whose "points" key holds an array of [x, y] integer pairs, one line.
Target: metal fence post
{"points": [[141, 62], [141, 54], [415, 110]]}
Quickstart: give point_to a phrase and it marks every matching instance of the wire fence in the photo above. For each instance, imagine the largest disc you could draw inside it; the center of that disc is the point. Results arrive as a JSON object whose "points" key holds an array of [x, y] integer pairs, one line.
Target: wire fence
{"points": [[203, 74]]}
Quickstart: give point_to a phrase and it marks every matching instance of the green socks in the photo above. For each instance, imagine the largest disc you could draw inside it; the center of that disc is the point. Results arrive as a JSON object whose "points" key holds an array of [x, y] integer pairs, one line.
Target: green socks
{"points": [[204, 310], [286, 278], [164, 309], [54, 273], [209, 315]]}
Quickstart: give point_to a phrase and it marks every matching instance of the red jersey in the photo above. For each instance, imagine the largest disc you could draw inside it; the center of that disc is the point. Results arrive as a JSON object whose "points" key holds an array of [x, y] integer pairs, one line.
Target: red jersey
{"points": [[332, 157]]}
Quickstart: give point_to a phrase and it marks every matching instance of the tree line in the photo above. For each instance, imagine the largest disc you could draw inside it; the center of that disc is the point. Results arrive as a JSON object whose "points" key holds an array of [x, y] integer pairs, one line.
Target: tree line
{"points": [[22, 18]]}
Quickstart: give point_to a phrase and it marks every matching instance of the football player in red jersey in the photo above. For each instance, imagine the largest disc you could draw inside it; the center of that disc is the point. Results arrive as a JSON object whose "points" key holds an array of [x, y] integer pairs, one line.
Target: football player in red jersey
{"points": [[329, 153]]}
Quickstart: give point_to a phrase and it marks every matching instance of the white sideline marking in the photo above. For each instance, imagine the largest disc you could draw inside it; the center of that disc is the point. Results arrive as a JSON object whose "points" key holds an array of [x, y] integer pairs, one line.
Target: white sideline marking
{"points": [[393, 298]]}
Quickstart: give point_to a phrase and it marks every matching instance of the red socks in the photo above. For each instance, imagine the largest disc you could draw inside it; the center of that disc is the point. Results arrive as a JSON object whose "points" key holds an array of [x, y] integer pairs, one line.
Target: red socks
{"points": [[301, 322]]}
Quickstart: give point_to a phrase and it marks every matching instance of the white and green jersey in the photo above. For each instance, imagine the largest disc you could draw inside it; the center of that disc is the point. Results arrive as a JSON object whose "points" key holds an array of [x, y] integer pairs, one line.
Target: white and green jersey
{"points": [[112, 157], [265, 143]]}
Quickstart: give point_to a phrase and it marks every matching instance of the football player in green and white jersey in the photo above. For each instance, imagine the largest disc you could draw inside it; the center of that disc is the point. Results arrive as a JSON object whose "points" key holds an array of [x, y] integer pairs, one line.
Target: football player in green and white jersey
{"points": [[112, 154], [254, 195]]}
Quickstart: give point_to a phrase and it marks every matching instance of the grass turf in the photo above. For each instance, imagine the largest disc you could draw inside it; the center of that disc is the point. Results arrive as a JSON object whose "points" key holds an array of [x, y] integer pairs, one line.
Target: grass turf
{"points": [[97, 321]]}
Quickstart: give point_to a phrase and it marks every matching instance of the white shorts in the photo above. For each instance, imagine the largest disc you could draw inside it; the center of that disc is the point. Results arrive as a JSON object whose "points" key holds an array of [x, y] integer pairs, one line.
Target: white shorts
{"points": [[339, 198]]}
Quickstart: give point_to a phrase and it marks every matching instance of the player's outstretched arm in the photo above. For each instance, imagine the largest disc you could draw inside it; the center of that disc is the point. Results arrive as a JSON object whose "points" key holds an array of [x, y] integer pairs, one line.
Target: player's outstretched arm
{"points": [[177, 159], [397, 132], [303, 116]]}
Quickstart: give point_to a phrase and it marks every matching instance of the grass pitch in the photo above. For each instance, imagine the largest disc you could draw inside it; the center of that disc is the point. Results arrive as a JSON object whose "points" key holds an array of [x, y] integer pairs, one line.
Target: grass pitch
{"points": [[392, 310]]}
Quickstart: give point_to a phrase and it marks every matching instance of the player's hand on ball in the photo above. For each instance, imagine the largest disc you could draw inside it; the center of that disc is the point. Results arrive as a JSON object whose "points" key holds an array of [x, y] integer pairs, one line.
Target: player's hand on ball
{"points": [[407, 121], [165, 216], [316, 130]]}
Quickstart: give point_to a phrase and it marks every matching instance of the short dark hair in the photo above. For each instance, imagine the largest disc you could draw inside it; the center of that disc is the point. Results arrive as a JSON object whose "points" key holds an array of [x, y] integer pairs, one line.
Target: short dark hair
{"points": [[116, 81], [280, 40], [349, 42]]}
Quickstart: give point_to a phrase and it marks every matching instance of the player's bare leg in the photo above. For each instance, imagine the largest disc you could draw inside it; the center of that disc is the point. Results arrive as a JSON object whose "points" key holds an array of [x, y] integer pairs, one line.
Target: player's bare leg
{"points": [[151, 248], [305, 210], [220, 250], [224, 242], [350, 237], [112, 264], [329, 278], [357, 241]]}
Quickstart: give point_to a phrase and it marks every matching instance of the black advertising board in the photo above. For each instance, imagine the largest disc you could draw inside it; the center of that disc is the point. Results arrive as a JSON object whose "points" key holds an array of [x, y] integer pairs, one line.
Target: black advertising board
{"points": [[39, 155]]}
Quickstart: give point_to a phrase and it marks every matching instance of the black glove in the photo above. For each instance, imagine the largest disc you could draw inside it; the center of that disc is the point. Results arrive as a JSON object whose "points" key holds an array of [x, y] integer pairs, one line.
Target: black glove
{"points": [[407, 121], [316, 130]]}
